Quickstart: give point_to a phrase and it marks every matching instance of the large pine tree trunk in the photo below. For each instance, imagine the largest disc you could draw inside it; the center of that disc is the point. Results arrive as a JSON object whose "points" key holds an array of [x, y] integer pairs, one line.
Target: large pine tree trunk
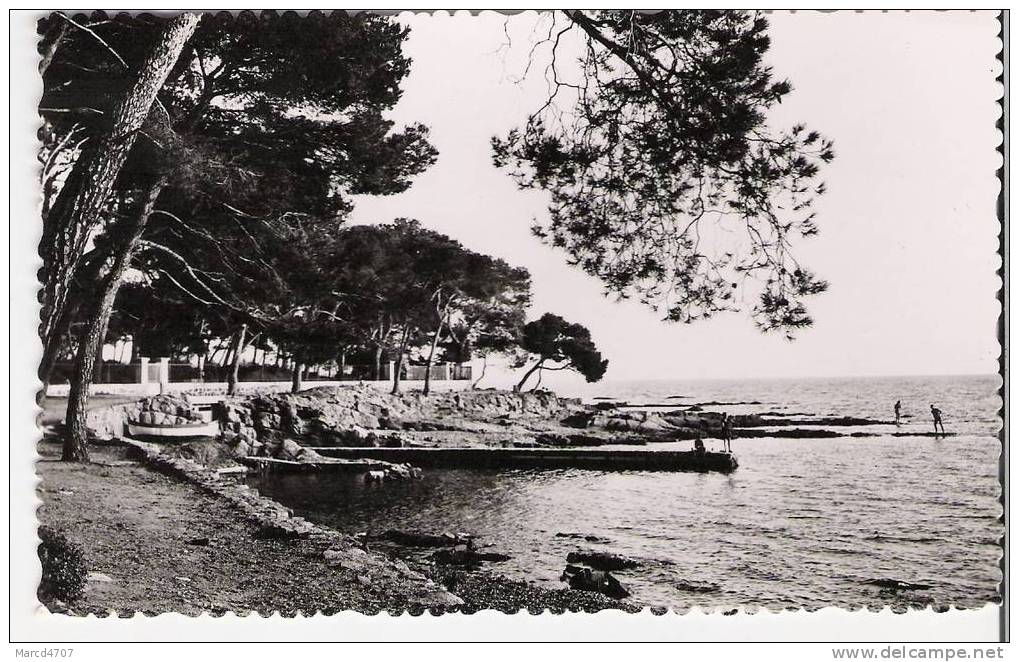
{"points": [[378, 363], [91, 343], [88, 282], [231, 350], [50, 353], [77, 209], [204, 354], [295, 377], [484, 369], [431, 357], [235, 365], [398, 368], [527, 375]]}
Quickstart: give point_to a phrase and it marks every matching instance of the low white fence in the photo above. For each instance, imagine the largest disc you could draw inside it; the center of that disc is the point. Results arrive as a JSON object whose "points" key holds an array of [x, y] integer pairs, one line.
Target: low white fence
{"points": [[60, 390]]}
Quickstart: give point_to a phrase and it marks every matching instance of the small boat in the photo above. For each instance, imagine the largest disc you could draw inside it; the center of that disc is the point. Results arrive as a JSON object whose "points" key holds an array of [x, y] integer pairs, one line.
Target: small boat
{"points": [[173, 430]]}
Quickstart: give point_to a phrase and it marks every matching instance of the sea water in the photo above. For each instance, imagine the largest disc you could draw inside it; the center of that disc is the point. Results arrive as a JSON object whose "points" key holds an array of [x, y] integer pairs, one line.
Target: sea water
{"points": [[877, 520]]}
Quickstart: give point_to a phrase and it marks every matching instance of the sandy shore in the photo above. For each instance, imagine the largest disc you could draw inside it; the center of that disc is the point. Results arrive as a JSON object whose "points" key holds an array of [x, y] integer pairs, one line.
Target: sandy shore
{"points": [[158, 544]]}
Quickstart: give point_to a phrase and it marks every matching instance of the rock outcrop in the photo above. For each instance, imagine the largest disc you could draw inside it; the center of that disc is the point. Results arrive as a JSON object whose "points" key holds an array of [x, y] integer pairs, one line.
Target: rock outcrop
{"points": [[418, 539], [269, 425], [167, 410], [110, 422], [602, 560], [598, 581], [467, 557]]}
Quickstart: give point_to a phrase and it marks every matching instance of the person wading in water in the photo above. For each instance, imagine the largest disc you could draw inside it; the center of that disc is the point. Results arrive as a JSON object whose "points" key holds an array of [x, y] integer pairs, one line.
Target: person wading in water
{"points": [[898, 411], [936, 413]]}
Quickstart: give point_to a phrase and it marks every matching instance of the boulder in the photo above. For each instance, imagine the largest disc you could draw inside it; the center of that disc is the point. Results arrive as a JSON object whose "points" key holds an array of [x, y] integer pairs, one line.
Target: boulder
{"points": [[267, 420], [352, 555], [580, 419], [402, 472], [552, 439], [240, 447], [334, 555], [697, 587], [685, 433], [355, 436], [602, 560], [289, 450], [308, 455], [583, 536], [416, 539], [898, 585], [598, 581], [607, 406], [687, 420], [522, 442], [375, 476], [291, 420], [467, 557]]}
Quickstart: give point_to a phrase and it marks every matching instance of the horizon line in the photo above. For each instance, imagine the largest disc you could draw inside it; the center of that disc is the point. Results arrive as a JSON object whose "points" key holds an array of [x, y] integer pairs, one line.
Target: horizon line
{"points": [[842, 376]]}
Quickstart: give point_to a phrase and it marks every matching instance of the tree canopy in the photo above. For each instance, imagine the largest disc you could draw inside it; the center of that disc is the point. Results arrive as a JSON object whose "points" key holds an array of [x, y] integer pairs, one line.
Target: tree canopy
{"points": [[250, 128], [217, 157], [567, 345], [317, 290], [667, 180]]}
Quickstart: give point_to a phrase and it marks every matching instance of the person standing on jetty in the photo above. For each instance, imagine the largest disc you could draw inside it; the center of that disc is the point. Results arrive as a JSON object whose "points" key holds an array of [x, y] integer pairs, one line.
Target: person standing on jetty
{"points": [[898, 411], [726, 433], [936, 413]]}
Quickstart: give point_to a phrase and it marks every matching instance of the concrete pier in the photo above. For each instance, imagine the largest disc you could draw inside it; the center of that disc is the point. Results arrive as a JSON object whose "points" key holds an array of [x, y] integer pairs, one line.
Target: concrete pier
{"points": [[542, 458]]}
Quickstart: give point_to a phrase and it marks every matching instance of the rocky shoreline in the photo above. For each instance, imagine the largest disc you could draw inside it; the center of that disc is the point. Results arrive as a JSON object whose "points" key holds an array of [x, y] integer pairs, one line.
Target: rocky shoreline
{"points": [[347, 572], [289, 426], [454, 576], [265, 426]]}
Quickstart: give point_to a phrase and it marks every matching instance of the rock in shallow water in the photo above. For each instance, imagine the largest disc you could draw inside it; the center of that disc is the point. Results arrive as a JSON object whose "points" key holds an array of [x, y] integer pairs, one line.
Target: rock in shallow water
{"points": [[898, 585], [602, 560], [598, 581], [467, 557], [415, 539], [582, 536]]}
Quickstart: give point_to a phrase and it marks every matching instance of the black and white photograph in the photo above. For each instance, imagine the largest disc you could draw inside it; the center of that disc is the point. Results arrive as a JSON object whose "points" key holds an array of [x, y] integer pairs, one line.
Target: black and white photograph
{"points": [[537, 312]]}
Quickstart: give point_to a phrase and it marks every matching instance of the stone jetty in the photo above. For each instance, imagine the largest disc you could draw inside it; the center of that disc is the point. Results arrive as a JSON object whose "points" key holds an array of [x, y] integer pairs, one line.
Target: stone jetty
{"points": [[544, 458]]}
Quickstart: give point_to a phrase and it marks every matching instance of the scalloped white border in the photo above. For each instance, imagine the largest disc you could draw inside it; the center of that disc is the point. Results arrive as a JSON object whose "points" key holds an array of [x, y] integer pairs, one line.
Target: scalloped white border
{"points": [[30, 622]]}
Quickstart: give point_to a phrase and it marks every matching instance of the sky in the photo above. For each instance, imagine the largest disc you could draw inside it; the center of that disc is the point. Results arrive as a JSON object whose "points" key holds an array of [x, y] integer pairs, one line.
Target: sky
{"points": [[908, 226]]}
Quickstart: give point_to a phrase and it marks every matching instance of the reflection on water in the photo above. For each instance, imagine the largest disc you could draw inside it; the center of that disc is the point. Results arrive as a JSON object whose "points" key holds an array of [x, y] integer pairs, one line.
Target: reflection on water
{"points": [[802, 523]]}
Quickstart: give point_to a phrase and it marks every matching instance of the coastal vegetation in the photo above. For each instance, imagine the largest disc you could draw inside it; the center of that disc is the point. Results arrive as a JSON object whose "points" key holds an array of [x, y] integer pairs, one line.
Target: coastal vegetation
{"points": [[197, 190], [568, 346], [667, 181], [233, 147], [199, 178]]}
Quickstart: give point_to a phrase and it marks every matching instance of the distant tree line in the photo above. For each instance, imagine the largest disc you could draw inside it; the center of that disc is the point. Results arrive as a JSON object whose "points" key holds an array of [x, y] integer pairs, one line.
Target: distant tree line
{"points": [[316, 294]]}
